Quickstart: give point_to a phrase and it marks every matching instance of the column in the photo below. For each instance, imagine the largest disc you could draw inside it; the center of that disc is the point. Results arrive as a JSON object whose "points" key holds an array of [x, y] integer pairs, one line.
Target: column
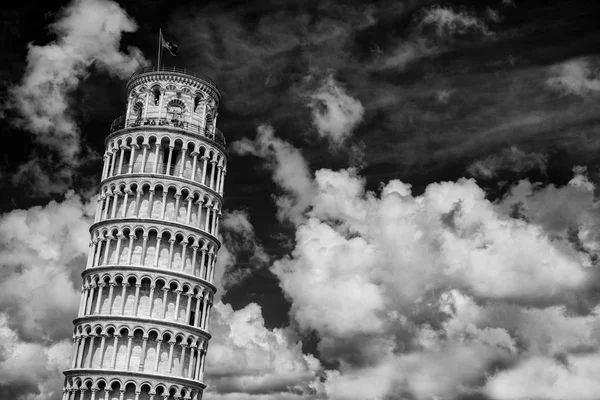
{"points": [[146, 146], [145, 113], [98, 251], [156, 154], [111, 291], [189, 199], [157, 252], [177, 197], [182, 359], [170, 364], [183, 247], [118, 250], [123, 297], [132, 155], [204, 312], [194, 252], [125, 199], [188, 309], [122, 155], [98, 209], [144, 246], [137, 298], [106, 205], [214, 221], [191, 362], [171, 244], [113, 156], [150, 203], [128, 359], [105, 259], [194, 163], [138, 202], [105, 166], [81, 301], [169, 158], [158, 343], [204, 164], [183, 151], [212, 174], [115, 195], [102, 343], [202, 263], [201, 372], [113, 362], [208, 208], [198, 363], [90, 300], [151, 297], [222, 182], [76, 342], [199, 212], [211, 265], [197, 313], [219, 175], [91, 252], [164, 309], [130, 250], [80, 353], [176, 313], [143, 355], [164, 204], [101, 286], [91, 353]]}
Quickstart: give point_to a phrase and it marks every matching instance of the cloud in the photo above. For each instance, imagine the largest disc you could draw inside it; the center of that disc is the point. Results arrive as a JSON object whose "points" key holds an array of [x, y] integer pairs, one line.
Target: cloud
{"points": [[245, 253], [334, 113], [574, 377], [437, 294], [42, 251], [247, 360], [433, 30], [579, 77], [447, 22], [88, 33], [290, 170], [28, 369], [510, 159]]}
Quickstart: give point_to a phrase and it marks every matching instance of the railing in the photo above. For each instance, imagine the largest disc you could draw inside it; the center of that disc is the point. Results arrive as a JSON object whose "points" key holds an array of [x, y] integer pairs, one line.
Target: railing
{"points": [[162, 68], [121, 123]]}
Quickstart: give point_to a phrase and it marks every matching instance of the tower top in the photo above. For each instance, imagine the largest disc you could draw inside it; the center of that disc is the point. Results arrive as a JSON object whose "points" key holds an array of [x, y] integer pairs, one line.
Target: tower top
{"points": [[194, 80]]}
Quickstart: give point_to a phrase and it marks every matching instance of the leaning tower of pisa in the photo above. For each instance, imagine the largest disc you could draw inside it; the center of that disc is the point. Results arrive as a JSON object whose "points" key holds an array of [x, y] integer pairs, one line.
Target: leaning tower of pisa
{"points": [[141, 332]]}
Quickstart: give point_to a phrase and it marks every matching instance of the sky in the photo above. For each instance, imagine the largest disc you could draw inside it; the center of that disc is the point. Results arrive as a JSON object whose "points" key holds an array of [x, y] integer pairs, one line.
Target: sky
{"points": [[411, 207]]}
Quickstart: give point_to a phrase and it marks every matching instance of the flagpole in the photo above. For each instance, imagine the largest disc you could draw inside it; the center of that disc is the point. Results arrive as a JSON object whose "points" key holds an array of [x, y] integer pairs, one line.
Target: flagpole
{"points": [[159, 46]]}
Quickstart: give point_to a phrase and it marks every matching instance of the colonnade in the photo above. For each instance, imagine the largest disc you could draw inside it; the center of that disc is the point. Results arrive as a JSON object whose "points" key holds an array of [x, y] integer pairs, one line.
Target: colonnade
{"points": [[167, 159], [131, 351], [92, 387], [156, 203], [144, 299], [152, 249]]}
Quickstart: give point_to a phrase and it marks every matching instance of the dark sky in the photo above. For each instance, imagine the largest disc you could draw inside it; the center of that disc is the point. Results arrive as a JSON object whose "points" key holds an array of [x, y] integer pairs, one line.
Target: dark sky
{"points": [[500, 91]]}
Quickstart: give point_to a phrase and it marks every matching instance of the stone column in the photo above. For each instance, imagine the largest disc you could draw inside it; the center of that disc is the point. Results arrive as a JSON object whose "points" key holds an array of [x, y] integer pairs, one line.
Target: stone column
{"points": [[194, 163], [151, 297], [183, 151], [113, 362], [124, 297]]}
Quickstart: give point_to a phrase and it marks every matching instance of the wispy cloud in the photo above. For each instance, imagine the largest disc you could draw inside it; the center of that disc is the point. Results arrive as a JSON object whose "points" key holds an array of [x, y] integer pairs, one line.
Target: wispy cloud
{"points": [[510, 159], [334, 112], [579, 77], [88, 34]]}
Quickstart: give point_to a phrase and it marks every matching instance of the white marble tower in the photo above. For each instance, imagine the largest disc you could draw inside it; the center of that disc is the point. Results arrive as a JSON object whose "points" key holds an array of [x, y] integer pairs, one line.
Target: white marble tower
{"points": [[141, 332]]}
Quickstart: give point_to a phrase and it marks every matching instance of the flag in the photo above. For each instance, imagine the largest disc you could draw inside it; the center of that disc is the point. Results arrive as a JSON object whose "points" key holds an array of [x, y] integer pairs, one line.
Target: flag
{"points": [[172, 47]]}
